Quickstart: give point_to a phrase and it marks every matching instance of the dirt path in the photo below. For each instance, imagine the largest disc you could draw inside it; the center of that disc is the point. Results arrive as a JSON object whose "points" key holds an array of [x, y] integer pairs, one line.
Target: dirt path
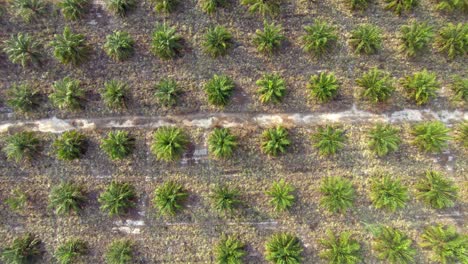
{"points": [[353, 115]]}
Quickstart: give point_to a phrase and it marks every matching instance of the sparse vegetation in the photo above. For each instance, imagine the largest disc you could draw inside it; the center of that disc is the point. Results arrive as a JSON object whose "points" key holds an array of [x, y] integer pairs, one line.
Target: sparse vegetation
{"points": [[70, 251], [117, 198], [66, 197], [23, 250], [323, 87], [28, 10], [120, 7], [393, 246], [275, 141], [225, 200], [384, 139], [210, 6], [447, 245], [337, 194], [166, 43], [431, 136], [119, 45], [462, 134], [71, 145], [23, 98], [23, 49], [366, 38], [17, 200], [73, 9], [168, 198], [453, 40], [319, 37], [271, 88], [118, 144], [120, 252], [415, 37], [167, 92], [400, 6], [268, 40], [219, 89], [377, 85], [221, 143], [114, 94], [67, 94], [358, 4], [329, 140], [437, 191], [169, 143], [21, 146], [340, 249], [229, 250], [388, 193], [421, 86], [281, 197], [283, 248], [217, 41], [70, 48], [263, 7]]}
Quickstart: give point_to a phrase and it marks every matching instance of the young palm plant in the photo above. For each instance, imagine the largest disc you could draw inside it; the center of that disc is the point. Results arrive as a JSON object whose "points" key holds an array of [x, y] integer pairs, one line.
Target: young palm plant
{"points": [[225, 200], [23, 49], [114, 94], [229, 250], [263, 7], [447, 245], [219, 89], [28, 10], [462, 134], [271, 88], [22, 250], [421, 86], [119, 45], [217, 41], [400, 6], [70, 48], [169, 143], [118, 144], [366, 38], [377, 85], [358, 4], [66, 198], [415, 37], [340, 249], [329, 140], [452, 40], [460, 89], [165, 6], [283, 248], [70, 251], [275, 141], [73, 9], [169, 198], [323, 87], [210, 6], [281, 196], [388, 193], [71, 145], [221, 143], [67, 94], [21, 146], [452, 5], [431, 136], [393, 245], [167, 92], [269, 40], [337, 194], [117, 198], [23, 98], [17, 200], [437, 191], [384, 139], [120, 7], [120, 252], [166, 43], [319, 37]]}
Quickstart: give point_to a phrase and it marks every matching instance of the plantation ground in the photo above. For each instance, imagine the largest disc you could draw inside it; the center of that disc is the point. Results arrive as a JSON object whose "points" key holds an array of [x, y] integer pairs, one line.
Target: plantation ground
{"points": [[190, 236]]}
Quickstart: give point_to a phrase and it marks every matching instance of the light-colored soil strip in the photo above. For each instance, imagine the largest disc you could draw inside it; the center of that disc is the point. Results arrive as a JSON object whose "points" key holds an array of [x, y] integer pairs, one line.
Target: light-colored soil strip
{"points": [[353, 115]]}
